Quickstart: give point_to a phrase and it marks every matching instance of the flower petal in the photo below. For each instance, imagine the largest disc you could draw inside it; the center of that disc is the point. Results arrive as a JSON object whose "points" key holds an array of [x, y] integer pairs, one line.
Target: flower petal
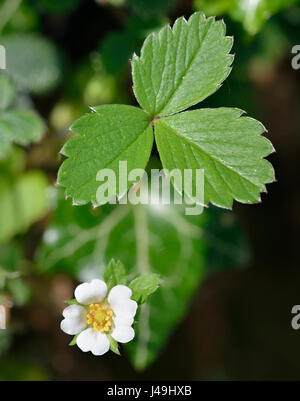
{"points": [[88, 293], [101, 345], [122, 305], [75, 319], [118, 294], [85, 340], [126, 309], [73, 311], [123, 334], [123, 320], [94, 341]]}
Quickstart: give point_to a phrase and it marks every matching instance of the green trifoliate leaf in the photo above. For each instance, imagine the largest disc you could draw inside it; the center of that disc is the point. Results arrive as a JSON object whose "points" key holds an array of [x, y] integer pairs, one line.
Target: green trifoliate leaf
{"points": [[7, 92], [177, 68], [142, 287], [19, 126], [114, 274], [228, 147], [180, 67], [112, 134]]}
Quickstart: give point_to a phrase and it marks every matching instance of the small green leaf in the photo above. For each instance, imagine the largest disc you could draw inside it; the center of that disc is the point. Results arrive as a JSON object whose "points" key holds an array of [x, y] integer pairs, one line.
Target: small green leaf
{"points": [[114, 345], [7, 92], [72, 302], [143, 286], [180, 67], [73, 342], [114, 274], [229, 148], [113, 133]]}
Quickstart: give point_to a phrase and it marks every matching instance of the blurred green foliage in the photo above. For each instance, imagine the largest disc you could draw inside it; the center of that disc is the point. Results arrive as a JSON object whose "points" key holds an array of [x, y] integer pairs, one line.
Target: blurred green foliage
{"points": [[23, 197], [147, 239], [145, 7], [19, 369], [56, 6], [16, 125], [32, 61], [251, 13], [117, 47]]}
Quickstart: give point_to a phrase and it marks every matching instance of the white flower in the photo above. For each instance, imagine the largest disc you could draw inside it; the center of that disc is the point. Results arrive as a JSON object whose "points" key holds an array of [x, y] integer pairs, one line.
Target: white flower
{"points": [[100, 316]]}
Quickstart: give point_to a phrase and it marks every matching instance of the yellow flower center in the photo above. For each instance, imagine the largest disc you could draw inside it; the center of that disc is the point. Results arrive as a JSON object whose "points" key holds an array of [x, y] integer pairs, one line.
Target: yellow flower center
{"points": [[100, 317]]}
